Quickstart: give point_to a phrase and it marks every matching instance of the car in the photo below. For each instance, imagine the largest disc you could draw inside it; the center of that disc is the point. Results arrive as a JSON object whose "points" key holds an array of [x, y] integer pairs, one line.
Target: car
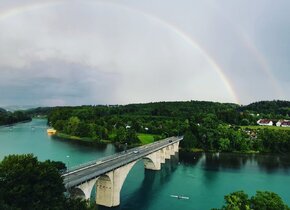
{"points": [[170, 141], [135, 151]]}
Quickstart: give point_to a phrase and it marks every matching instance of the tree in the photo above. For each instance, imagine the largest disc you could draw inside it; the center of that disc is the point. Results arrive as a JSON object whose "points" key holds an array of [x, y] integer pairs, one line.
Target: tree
{"points": [[237, 201], [121, 135], [261, 201], [72, 125], [224, 144], [28, 184], [189, 140], [268, 200]]}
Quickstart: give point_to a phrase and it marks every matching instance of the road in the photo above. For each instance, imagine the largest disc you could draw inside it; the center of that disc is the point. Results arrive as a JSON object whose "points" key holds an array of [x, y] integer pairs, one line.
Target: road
{"points": [[94, 169]]}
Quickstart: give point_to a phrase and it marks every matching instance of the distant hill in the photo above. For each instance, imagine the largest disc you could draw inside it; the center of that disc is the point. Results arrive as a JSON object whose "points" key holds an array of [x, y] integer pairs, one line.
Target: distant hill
{"points": [[39, 111], [269, 107], [14, 108]]}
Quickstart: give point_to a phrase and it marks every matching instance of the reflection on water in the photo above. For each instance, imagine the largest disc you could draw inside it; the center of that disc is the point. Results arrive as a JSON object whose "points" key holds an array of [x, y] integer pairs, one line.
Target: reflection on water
{"points": [[236, 162]]}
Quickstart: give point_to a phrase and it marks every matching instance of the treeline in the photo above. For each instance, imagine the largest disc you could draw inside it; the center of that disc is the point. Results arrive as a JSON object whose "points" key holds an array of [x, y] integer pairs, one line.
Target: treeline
{"points": [[228, 138], [8, 118], [122, 123], [206, 125], [272, 109]]}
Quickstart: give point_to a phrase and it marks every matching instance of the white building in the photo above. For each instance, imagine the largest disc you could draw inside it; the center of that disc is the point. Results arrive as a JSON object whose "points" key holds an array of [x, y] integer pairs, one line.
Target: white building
{"points": [[265, 122]]}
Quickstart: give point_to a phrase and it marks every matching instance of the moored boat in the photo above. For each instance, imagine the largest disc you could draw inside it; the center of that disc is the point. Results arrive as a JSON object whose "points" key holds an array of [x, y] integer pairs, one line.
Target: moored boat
{"points": [[51, 131]]}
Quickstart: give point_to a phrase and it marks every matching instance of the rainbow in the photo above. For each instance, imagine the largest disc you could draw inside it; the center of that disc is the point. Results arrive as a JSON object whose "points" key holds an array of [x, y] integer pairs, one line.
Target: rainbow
{"points": [[260, 59], [182, 35], [263, 63]]}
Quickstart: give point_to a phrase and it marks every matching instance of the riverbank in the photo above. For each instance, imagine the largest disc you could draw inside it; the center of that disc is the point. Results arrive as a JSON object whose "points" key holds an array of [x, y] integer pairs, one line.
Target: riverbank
{"points": [[79, 140], [12, 124], [144, 139], [198, 150]]}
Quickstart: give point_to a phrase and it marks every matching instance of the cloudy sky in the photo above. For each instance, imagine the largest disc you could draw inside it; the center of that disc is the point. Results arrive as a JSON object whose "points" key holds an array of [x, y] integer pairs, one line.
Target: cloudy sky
{"points": [[73, 52]]}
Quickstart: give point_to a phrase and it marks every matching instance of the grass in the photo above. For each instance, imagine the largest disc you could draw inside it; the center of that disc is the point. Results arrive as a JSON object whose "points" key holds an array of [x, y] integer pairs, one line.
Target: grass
{"points": [[256, 127], [146, 138]]}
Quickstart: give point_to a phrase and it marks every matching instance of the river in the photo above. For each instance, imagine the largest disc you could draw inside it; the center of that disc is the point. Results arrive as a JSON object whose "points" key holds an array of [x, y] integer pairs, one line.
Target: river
{"points": [[203, 178]]}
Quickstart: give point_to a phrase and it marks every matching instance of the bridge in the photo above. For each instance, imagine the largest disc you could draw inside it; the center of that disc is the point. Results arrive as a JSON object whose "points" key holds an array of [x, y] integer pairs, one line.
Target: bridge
{"points": [[109, 174]]}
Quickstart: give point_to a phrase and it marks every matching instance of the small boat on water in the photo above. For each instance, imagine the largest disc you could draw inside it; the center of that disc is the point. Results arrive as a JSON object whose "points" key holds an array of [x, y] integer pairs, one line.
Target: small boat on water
{"points": [[51, 131], [179, 197]]}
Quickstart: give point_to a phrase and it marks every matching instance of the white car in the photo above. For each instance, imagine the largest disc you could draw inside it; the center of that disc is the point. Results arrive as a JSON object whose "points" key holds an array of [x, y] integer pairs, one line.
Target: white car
{"points": [[135, 151]]}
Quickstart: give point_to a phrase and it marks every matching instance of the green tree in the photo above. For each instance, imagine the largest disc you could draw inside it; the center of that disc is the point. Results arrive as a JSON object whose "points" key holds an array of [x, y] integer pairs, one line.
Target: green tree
{"points": [[224, 144], [29, 184], [121, 135], [265, 200], [189, 140], [72, 126], [261, 201]]}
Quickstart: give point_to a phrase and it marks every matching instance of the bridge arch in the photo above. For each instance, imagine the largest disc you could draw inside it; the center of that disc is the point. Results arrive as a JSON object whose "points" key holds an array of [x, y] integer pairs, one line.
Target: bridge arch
{"points": [[109, 186], [77, 193]]}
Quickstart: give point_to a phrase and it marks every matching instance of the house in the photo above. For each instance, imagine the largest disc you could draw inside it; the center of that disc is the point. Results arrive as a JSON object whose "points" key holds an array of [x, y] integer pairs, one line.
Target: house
{"points": [[265, 122], [279, 123], [283, 123]]}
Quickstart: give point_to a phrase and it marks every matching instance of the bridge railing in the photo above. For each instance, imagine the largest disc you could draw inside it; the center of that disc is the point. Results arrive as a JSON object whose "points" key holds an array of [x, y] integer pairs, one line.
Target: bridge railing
{"points": [[111, 157]]}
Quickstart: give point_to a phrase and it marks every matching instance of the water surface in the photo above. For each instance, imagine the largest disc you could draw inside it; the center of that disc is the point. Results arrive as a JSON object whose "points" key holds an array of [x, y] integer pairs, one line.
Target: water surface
{"points": [[204, 178]]}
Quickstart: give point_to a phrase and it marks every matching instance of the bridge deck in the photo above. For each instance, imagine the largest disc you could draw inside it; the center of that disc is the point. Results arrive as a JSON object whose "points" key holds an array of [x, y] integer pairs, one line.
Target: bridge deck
{"points": [[94, 169]]}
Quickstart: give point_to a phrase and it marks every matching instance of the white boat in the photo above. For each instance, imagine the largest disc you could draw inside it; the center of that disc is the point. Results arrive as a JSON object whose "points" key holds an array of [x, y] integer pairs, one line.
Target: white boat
{"points": [[179, 197]]}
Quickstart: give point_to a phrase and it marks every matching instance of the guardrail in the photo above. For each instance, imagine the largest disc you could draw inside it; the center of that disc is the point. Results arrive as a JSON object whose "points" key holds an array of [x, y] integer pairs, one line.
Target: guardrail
{"points": [[71, 183], [114, 156]]}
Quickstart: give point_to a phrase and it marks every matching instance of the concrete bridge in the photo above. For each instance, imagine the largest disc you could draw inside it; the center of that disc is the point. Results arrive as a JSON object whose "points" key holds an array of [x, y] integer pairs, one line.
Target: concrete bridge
{"points": [[109, 174]]}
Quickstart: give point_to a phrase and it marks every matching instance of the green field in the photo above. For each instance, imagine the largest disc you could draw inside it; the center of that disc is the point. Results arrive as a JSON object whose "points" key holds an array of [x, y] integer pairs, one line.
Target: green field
{"points": [[255, 127], [146, 138]]}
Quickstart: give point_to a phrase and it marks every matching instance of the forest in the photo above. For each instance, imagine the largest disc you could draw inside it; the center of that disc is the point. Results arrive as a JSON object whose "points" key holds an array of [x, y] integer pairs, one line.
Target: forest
{"points": [[206, 126], [8, 118]]}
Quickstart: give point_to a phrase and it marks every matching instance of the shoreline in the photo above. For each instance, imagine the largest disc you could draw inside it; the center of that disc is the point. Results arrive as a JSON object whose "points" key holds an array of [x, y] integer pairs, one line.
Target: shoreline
{"points": [[79, 140], [90, 142], [200, 151], [20, 122]]}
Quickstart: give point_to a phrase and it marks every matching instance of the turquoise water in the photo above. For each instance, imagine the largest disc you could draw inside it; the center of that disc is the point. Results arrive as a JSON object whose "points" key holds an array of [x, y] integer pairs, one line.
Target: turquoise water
{"points": [[204, 178]]}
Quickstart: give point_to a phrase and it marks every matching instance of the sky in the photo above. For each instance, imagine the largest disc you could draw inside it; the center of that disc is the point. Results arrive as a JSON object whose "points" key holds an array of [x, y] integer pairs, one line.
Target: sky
{"points": [[75, 52]]}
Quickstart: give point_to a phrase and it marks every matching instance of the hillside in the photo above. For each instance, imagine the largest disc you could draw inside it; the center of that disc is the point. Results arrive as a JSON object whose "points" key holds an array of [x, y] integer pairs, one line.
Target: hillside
{"points": [[269, 107]]}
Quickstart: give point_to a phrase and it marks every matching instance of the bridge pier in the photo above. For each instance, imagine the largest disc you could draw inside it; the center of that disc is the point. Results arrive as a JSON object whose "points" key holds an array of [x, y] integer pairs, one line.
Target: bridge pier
{"points": [[108, 186], [176, 147], [171, 149], [167, 152], [162, 155]]}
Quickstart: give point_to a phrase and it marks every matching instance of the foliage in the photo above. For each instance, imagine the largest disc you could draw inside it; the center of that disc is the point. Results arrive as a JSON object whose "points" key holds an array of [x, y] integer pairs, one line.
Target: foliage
{"points": [[7, 118], [28, 184], [205, 125], [269, 107], [263, 200]]}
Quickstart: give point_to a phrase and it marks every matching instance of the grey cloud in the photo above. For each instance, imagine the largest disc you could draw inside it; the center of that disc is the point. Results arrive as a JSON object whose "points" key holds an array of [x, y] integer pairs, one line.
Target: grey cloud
{"points": [[129, 51], [67, 82]]}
